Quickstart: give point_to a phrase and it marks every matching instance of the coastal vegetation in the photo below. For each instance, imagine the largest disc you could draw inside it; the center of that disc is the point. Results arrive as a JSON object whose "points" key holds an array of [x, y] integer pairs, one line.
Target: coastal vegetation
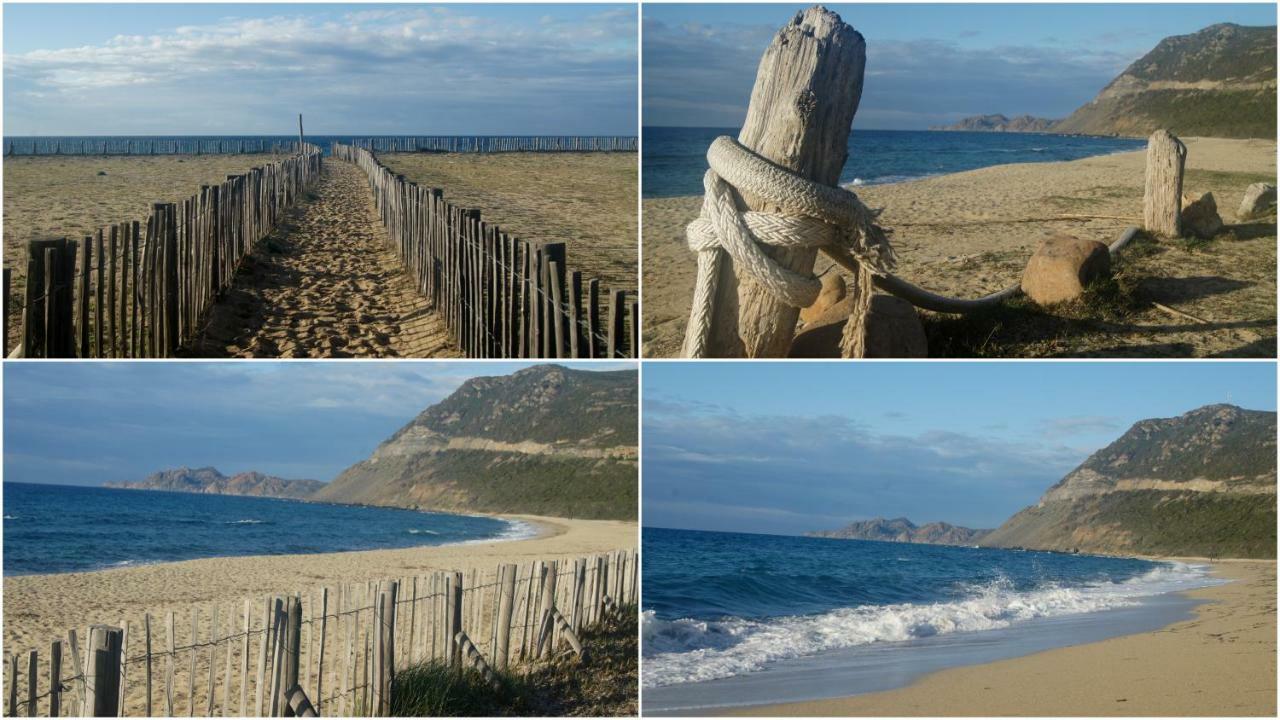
{"points": [[1201, 484]]}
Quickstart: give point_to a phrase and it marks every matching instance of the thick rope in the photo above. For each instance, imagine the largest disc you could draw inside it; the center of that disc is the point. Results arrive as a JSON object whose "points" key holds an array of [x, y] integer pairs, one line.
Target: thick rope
{"points": [[811, 215]]}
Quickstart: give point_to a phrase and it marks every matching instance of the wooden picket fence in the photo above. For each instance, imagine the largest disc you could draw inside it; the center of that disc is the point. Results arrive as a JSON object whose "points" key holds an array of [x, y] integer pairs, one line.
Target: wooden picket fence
{"points": [[500, 297], [20, 147], [496, 143], [330, 650], [140, 289]]}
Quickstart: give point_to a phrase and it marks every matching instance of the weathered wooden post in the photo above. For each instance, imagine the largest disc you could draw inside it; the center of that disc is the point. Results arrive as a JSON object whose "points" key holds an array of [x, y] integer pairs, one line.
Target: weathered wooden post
{"points": [[301, 137], [55, 679], [506, 606], [546, 627], [807, 90], [292, 635], [103, 669], [453, 617], [1162, 201]]}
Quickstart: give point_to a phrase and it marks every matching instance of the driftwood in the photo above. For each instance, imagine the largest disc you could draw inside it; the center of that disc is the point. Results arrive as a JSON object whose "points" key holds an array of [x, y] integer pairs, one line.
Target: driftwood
{"points": [[1162, 200], [806, 93]]}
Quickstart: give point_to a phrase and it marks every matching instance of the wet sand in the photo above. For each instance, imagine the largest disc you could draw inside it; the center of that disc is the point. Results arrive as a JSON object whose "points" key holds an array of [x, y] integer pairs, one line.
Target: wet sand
{"points": [[969, 234], [326, 284], [585, 200], [1223, 662]]}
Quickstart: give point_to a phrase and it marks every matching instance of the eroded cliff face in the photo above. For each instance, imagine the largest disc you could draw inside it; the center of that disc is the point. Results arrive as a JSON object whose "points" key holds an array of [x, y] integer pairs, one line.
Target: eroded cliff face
{"points": [[1202, 483], [545, 440], [1218, 82]]}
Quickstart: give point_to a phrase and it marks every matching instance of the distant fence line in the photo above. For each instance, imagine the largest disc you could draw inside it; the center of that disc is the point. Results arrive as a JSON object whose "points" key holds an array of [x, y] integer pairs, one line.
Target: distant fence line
{"points": [[145, 146], [140, 289], [497, 144], [332, 651], [498, 296], [39, 147]]}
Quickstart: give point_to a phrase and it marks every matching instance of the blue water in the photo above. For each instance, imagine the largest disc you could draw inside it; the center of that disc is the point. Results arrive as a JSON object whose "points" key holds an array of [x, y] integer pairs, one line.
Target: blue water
{"points": [[727, 606], [60, 528], [675, 158]]}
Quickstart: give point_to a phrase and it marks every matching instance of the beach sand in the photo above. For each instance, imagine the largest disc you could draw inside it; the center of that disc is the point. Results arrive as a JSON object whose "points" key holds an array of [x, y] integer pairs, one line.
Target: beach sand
{"points": [[325, 284], [66, 197], [1223, 662], [585, 200], [970, 233], [41, 608]]}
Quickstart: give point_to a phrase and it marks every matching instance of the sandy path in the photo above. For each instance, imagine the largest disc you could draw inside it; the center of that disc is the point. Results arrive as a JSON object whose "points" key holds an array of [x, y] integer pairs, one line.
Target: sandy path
{"points": [[1223, 662], [970, 233], [40, 608], [327, 285]]}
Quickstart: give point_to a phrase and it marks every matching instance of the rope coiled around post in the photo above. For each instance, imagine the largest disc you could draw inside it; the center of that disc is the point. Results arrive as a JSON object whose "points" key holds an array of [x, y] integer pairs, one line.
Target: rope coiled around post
{"points": [[810, 215]]}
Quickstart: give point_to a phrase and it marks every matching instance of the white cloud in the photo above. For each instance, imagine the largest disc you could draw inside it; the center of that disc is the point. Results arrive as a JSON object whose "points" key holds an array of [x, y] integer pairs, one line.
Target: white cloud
{"points": [[406, 64]]}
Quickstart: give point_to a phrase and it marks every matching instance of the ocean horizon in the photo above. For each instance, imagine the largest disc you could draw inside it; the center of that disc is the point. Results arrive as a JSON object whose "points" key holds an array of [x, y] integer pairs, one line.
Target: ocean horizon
{"points": [[732, 619], [675, 157], [53, 529]]}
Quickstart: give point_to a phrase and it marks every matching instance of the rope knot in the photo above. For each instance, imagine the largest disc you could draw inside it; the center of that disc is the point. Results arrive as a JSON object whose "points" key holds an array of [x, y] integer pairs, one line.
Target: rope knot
{"points": [[810, 215]]}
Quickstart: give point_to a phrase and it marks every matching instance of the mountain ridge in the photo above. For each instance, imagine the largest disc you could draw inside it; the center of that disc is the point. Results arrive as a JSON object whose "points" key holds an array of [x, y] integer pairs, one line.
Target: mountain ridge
{"points": [[209, 481], [1201, 484], [901, 529], [546, 440]]}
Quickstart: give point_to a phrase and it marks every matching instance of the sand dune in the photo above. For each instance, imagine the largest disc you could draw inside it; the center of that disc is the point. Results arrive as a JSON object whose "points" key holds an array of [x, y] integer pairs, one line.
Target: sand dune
{"points": [[73, 196], [970, 233], [585, 200]]}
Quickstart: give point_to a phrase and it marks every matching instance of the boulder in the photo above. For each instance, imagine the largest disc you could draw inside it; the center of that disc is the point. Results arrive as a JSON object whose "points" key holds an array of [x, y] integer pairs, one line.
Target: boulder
{"points": [[1063, 267], [833, 291], [1200, 216], [894, 330], [1259, 200]]}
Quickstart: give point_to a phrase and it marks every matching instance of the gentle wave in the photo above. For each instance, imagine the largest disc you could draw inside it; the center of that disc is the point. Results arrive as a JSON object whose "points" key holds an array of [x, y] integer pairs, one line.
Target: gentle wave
{"points": [[247, 521], [687, 650], [416, 531]]}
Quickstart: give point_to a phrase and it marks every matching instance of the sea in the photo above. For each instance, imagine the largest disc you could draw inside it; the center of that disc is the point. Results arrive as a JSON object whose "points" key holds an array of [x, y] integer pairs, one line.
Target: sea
{"points": [[675, 158], [735, 619], [64, 528]]}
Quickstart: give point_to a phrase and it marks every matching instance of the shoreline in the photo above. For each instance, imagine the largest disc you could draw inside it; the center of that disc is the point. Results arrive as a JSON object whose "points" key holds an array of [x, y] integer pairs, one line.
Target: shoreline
{"points": [[1189, 667], [39, 608]]}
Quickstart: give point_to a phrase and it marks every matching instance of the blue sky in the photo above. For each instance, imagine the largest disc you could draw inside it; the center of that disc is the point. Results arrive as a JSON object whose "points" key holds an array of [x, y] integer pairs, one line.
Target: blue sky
{"points": [[789, 447], [353, 68], [86, 423], [927, 64]]}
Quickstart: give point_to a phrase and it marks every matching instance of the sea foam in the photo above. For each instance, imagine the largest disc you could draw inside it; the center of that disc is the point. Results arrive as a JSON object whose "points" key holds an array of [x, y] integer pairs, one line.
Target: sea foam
{"points": [[688, 650]]}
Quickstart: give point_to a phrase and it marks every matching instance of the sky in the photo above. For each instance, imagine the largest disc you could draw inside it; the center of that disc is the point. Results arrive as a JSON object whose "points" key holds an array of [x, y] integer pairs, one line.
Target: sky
{"points": [[787, 447], [927, 64], [137, 69], [82, 423]]}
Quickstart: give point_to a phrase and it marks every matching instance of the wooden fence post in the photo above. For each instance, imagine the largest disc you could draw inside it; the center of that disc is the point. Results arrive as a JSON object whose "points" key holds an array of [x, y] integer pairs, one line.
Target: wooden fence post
{"points": [[806, 93], [506, 606], [453, 615], [55, 679], [546, 626], [1162, 199], [292, 654], [102, 693]]}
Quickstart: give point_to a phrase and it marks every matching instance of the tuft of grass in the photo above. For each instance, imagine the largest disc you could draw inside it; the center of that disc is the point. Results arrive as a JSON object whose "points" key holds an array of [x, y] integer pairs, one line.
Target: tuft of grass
{"points": [[605, 683], [435, 690]]}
